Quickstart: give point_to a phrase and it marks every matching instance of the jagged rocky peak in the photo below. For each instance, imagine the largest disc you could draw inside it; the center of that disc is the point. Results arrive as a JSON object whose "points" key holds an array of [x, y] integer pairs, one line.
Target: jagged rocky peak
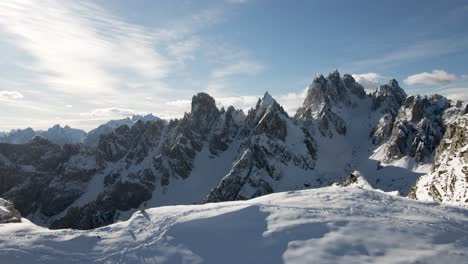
{"points": [[274, 144], [326, 98], [227, 127], [268, 118], [388, 97], [354, 87], [203, 112], [324, 93], [455, 111], [133, 142], [418, 128], [264, 105], [448, 181]]}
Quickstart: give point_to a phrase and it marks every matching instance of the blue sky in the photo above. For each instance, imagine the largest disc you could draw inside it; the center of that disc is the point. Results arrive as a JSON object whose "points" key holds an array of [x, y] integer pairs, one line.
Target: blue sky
{"points": [[81, 63]]}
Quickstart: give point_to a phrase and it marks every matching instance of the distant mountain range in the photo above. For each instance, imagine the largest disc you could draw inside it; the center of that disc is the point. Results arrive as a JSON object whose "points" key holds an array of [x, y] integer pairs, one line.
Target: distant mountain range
{"points": [[411, 145], [67, 135]]}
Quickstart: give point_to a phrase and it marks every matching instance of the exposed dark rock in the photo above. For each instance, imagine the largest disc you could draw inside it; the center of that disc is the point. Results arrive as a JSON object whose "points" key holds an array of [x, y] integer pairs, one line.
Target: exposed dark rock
{"points": [[8, 212], [418, 128]]}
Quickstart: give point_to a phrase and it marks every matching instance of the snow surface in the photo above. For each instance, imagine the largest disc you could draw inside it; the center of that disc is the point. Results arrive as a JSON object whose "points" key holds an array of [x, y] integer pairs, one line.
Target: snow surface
{"points": [[327, 225]]}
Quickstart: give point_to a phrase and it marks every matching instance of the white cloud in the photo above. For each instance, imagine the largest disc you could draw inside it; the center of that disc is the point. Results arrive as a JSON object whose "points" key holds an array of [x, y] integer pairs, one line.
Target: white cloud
{"points": [[369, 80], [79, 47], [111, 112], [10, 95], [292, 101], [239, 102], [239, 68], [184, 49], [179, 103], [435, 77], [455, 93]]}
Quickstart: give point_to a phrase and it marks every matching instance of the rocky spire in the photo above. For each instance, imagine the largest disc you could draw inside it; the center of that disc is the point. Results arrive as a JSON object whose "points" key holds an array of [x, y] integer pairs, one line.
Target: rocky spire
{"points": [[388, 97], [204, 112]]}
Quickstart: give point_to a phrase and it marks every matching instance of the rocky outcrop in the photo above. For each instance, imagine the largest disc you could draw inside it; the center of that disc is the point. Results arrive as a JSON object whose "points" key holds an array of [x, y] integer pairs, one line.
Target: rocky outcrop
{"points": [[388, 97], [44, 178], [8, 212], [418, 128], [325, 98], [387, 100], [448, 182], [266, 154]]}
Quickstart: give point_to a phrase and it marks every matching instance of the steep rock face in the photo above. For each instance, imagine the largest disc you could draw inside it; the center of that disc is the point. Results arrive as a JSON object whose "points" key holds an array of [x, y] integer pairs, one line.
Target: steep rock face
{"points": [[229, 125], [128, 178], [267, 154], [325, 97], [43, 178], [387, 100], [205, 125], [448, 182], [418, 128]]}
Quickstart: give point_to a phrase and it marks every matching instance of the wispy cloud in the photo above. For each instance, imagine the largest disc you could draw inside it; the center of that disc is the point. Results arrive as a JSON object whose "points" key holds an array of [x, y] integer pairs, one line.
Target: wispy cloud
{"points": [[238, 68], [416, 51], [434, 77], [78, 46], [10, 95], [460, 93], [111, 112]]}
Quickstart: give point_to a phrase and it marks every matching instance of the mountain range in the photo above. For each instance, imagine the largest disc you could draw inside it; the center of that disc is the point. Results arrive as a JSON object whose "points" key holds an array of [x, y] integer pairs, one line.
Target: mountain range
{"points": [[414, 146]]}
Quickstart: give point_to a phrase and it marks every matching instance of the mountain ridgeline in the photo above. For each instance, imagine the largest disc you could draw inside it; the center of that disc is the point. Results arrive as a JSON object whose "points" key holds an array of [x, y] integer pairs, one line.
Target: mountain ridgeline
{"points": [[415, 145]]}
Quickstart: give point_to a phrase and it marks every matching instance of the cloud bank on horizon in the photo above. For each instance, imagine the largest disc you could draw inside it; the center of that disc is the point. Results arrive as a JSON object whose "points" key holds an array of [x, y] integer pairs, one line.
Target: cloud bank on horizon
{"points": [[79, 63]]}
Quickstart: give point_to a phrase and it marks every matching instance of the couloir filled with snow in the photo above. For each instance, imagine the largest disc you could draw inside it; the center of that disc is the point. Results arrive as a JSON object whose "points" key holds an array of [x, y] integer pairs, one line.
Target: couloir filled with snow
{"points": [[325, 225]]}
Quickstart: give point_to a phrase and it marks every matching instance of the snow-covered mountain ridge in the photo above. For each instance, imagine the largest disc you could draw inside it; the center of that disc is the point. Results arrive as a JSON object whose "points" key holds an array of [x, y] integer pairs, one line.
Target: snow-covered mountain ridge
{"points": [[215, 155], [67, 135], [325, 225]]}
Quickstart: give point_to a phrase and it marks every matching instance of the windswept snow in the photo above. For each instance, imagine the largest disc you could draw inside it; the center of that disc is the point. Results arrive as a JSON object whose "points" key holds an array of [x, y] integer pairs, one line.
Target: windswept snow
{"points": [[327, 225]]}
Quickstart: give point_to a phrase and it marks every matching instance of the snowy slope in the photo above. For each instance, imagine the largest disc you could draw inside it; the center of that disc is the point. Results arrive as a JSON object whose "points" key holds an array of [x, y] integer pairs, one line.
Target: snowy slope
{"points": [[327, 225], [448, 181]]}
